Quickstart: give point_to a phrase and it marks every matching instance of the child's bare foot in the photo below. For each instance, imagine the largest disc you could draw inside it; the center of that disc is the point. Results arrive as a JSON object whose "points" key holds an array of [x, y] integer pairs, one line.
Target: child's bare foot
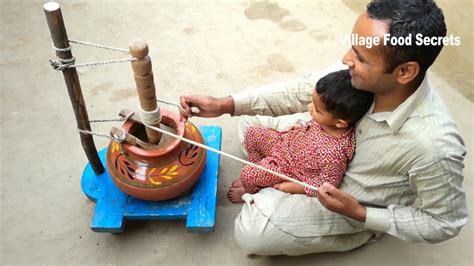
{"points": [[235, 194], [237, 183]]}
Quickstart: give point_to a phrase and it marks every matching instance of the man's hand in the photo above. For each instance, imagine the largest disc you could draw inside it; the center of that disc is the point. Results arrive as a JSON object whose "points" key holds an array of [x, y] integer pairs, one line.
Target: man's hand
{"points": [[340, 202], [290, 187], [208, 106]]}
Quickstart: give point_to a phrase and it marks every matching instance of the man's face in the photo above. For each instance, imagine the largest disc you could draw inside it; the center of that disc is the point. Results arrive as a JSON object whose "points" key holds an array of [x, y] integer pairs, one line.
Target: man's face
{"points": [[367, 65]]}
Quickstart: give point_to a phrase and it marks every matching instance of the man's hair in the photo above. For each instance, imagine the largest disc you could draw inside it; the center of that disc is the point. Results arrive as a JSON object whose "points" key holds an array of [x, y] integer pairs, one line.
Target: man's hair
{"points": [[405, 17], [341, 99]]}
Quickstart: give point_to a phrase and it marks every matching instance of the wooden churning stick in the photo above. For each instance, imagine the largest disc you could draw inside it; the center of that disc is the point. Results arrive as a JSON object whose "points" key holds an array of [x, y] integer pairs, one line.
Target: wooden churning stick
{"points": [[143, 75]]}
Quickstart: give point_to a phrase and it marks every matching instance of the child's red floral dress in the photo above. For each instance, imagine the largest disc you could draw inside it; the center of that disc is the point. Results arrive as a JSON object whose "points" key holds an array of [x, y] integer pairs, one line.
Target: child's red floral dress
{"points": [[305, 153]]}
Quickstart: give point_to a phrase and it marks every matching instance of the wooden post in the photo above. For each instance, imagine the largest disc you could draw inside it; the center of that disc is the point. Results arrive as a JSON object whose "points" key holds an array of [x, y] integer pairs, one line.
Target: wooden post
{"points": [[60, 40], [143, 75]]}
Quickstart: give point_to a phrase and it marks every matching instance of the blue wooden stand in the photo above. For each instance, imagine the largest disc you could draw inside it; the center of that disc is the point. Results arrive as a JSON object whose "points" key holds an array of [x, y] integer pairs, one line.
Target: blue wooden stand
{"points": [[198, 207]]}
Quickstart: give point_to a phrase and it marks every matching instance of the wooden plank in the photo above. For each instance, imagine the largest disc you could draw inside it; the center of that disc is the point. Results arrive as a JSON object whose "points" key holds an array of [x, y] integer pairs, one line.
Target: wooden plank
{"points": [[164, 210], [108, 213], [202, 212]]}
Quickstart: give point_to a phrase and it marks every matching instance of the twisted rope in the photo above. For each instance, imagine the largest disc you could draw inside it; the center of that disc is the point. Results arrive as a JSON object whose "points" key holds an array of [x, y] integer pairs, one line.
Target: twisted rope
{"points": [[231, 156], [99, 46], [62, 64], [194, 109], [112, 119], [120, 139]]}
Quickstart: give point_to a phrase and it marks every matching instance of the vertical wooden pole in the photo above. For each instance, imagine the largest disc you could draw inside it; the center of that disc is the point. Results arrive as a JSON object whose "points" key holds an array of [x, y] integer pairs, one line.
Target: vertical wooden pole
{"points": [[60, 40], [143, 75]]}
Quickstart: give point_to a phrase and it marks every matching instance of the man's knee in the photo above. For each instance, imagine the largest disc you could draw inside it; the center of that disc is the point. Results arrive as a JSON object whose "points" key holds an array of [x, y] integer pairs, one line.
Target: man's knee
{"points": [[251, 241], [253, 231]]}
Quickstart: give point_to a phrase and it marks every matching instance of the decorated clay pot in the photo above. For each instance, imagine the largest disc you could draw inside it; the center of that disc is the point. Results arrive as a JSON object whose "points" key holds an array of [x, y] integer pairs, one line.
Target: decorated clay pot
{"points": [[158, 174]]}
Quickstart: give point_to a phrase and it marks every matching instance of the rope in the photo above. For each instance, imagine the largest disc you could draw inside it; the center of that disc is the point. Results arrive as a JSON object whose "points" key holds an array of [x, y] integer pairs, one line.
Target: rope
{"points": [[104, 62], [195, 110], [61, 64], [112, 119], [150, 117], [99, 46], [118, 138], [121, 138], [231, 156], [61, 49], [168, 102]]}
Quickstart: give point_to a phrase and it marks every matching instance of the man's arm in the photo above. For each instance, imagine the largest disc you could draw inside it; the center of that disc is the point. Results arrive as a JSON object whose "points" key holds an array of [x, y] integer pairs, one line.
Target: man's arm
{"points": [[441, 212], [276, 99], [273, 99], [208, 106]]}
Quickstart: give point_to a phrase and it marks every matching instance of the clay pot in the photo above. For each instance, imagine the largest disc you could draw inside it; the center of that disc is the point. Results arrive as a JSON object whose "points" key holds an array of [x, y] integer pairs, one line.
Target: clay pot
{"points": [[160, 174]]}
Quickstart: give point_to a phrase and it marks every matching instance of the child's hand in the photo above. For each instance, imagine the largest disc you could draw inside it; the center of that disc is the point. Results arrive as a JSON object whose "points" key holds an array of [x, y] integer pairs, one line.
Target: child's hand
{"points": [[290, 187]]}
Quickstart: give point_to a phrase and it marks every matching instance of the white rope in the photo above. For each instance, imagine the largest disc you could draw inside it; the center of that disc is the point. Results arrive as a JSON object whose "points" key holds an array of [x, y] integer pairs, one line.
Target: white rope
{"points": [[104, 62], [118, 138], [89, 44], [168, 102], [112, 119], [121, 138], [231, 156], [145, 121], [61, 49], [195, 110], [61, 64], [67, 60], [150, 117], [88, 132], [99, 46]]}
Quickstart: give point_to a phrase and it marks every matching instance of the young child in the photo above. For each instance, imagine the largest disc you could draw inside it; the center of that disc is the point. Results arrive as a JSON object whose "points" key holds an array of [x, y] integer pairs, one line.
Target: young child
{"points": [[316, 152]]}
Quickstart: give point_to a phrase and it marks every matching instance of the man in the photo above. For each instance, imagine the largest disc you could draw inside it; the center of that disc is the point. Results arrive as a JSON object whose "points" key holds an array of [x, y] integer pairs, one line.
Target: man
{"points": [[406, 176]]}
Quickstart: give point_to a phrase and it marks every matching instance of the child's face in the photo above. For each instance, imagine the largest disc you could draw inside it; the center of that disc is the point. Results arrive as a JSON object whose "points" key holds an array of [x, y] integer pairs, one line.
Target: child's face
{"points": [[318, 111]]}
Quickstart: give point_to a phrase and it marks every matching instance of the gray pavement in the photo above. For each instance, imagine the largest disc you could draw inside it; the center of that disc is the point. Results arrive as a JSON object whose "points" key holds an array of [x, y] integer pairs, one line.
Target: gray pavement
{"points": [[197, 47]]}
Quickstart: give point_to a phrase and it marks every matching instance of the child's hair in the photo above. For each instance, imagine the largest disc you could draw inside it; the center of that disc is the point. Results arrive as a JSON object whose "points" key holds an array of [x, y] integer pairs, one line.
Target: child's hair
{"points": [[341, 99]]}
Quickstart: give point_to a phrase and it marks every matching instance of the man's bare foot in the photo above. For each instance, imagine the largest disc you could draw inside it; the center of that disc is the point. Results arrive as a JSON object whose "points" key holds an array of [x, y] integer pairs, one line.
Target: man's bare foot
{"points": [[235, 194], [237, 183]]}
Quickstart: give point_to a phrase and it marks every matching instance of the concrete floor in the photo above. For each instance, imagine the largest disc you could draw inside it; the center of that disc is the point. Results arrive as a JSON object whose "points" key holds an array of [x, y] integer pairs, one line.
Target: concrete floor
{"points": [[197, 47]]}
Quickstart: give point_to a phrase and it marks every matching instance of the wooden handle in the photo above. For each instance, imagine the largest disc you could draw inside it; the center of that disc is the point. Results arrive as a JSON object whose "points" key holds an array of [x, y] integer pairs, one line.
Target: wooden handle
{"points": [[138, 48]]}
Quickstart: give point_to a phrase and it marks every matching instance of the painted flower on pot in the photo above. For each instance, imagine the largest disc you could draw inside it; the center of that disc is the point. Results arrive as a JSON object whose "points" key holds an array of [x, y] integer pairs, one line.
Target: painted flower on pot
{"points": [[166, 173]]}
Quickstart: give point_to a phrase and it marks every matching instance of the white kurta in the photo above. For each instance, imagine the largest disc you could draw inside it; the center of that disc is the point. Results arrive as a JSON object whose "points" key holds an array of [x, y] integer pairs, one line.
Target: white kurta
{"points": [[407, 170]]}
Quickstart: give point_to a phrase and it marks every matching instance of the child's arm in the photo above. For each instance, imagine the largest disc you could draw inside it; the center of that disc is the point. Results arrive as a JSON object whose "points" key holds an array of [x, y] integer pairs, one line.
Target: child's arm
{"points": [[290, 187]]}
